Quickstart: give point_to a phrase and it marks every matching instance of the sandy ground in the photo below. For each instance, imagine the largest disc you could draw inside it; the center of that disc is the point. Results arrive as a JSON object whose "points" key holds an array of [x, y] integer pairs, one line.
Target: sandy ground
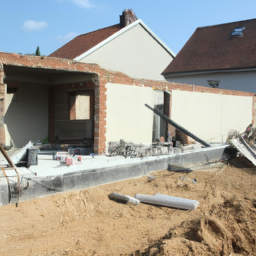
{"points": [[86, 222]]}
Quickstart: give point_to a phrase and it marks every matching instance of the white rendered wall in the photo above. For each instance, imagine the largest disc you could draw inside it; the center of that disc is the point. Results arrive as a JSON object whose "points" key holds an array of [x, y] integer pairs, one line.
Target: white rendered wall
{"points": [[26, 117], [135, 53], [239, 81], [211, 116], [127, 117]]}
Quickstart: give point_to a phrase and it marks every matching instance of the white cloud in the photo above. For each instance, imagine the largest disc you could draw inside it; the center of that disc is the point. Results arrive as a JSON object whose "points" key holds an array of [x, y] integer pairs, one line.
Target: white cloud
{"points": [[81, 3], [31, 25], [67, 37]]}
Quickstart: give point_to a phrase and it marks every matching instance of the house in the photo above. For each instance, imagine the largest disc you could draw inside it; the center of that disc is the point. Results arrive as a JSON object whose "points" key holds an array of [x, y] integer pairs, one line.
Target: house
{"points": [[220, 56], [69, 102], [130, 47]]}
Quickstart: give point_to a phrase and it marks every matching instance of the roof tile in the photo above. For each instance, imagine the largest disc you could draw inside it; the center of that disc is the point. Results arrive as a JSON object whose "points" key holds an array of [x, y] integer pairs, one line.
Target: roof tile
{"points": [[85, 42], [211, 48]]}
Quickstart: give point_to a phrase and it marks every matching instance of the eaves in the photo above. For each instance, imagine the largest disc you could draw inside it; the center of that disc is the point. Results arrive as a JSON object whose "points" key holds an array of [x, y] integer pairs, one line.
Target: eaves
{"points": [[192, 73]]}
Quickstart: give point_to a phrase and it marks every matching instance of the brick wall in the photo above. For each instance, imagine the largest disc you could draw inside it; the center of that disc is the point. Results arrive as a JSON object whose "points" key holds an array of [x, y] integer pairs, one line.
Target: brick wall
{"points": [[102, 77], [2, 105], [120, 78]]}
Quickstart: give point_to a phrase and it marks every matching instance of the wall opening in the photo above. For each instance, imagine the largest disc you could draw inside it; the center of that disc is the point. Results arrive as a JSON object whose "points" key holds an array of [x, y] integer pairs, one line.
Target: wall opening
{"points": [[74, 111]]}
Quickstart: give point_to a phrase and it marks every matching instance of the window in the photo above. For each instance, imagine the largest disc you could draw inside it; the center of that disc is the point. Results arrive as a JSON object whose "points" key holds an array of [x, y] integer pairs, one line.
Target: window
{"points": [[80, 106], [238, 32], [213, 83]]}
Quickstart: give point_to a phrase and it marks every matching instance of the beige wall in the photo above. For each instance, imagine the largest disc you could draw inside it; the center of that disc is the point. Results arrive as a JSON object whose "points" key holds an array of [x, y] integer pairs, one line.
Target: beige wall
{"points": [[135, 53], [211, 116], [127, 117], [27, 114], [239, 81]]}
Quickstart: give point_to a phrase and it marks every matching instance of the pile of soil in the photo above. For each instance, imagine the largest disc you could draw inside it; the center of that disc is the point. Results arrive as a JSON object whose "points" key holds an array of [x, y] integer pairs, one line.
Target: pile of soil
{"points": [[86, 222]]}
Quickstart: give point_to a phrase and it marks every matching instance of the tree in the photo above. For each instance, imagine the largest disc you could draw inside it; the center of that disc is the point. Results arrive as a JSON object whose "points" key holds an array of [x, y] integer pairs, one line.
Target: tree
{"points": [[37, 53]]}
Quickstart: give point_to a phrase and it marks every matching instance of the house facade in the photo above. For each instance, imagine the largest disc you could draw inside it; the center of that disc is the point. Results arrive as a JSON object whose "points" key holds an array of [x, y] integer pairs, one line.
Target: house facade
{"points": [[130, 47], [221, 56]]}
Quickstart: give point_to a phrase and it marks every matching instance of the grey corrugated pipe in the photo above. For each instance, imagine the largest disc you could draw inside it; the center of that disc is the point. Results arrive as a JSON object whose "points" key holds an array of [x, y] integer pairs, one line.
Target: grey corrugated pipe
{"points": [[123, 199]]}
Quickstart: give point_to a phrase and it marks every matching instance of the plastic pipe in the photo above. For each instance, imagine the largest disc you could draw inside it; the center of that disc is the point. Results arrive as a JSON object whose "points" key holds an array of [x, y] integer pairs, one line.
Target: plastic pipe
{"points": [[165, 201], [177, 199]]}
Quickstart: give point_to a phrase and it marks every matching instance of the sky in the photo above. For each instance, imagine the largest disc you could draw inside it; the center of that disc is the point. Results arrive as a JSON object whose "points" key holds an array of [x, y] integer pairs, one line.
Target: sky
{"points": [[49, 24]]}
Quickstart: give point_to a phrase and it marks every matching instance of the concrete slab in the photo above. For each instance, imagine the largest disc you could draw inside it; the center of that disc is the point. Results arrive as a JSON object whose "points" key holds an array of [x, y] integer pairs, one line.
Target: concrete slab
{"points": [[52, 177]]}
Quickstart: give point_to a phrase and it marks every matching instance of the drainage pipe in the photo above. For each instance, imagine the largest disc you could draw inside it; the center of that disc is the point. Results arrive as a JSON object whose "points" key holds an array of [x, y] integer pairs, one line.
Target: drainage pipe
{"points": [[165, 201], [133, 201], [177, 126], [123, 199], [177, 199]]}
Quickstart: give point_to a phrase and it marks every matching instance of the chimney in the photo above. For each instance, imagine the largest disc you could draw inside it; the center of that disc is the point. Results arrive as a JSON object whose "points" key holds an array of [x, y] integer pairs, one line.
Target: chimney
{"points": [[127, 17]]}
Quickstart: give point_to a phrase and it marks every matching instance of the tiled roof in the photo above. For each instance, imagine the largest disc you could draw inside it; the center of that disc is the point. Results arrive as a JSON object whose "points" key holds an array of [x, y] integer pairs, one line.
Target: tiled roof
{"points": [[85, 42], [211, 48]]}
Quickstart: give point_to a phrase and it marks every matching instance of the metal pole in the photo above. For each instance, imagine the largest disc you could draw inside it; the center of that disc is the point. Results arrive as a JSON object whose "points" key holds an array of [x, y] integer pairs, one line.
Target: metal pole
{"points": [[177, 126]]}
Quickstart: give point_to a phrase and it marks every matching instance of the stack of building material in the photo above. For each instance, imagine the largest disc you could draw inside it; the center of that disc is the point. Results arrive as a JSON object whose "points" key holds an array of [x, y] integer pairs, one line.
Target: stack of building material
{"points": [[168, 201], [15, 155]]}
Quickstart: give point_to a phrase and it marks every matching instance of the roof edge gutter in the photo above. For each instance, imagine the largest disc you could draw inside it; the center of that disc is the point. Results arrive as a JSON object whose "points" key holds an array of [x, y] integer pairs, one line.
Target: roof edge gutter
{"points": [[188, 73]]}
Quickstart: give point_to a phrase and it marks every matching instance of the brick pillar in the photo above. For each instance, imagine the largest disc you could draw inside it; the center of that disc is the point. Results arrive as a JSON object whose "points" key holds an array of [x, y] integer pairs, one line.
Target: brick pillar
{"points": [[2, 105], [99, 115]]}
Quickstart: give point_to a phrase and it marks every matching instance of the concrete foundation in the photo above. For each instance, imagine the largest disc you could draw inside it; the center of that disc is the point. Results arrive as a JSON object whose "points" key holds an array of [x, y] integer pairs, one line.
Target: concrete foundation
{"points": [[50, 177]]}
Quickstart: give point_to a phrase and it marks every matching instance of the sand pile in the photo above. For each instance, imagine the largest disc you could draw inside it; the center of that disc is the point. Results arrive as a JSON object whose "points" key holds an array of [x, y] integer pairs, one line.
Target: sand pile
{"points": [[227, 229], [86, 222]]}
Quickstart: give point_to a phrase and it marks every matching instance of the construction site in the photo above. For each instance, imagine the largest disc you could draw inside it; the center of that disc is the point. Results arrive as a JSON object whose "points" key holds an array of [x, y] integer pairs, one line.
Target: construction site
{"points": [[178, 195], [86, 222], [100, 159]]}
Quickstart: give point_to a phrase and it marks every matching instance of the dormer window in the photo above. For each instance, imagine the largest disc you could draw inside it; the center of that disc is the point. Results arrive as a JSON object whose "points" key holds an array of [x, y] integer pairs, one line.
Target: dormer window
{"points": [[238, 32]]}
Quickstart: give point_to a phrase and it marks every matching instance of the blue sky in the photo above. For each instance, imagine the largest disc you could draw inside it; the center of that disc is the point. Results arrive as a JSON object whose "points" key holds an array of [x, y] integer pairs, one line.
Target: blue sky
{"points": [[26, 24]]}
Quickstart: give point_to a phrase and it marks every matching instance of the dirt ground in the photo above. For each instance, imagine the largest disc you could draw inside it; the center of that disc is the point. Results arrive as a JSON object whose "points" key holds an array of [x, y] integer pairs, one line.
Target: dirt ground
{"points": [[86, 222]]}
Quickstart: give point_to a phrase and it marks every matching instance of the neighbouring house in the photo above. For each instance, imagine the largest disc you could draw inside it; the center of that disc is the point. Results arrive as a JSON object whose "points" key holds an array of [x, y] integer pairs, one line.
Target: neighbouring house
{"points": [[130, 47], [220, 56], [72, 102]]}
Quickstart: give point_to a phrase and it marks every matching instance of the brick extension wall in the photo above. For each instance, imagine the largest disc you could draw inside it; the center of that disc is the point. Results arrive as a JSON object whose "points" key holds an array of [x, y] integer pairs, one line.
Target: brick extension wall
{"points": [[120, 78], [102, 77], [105, 76]]}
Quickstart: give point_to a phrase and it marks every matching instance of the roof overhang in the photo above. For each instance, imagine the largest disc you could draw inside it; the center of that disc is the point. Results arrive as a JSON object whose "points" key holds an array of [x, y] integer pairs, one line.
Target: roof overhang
{"points": [[120, 32]]}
